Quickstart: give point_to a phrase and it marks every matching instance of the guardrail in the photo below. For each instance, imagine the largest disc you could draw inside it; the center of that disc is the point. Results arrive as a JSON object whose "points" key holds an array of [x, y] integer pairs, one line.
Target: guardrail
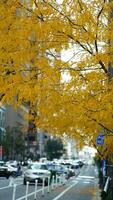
{"points": [[56, 181]]}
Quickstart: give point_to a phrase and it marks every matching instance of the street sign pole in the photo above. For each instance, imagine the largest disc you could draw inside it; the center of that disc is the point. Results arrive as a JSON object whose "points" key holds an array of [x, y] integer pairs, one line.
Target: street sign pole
{"points": [[1, 152]]}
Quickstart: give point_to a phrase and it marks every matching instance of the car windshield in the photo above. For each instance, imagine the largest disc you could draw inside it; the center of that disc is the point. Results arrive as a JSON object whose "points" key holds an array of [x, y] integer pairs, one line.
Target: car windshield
{"points": [[37, 166], [13, 166]]}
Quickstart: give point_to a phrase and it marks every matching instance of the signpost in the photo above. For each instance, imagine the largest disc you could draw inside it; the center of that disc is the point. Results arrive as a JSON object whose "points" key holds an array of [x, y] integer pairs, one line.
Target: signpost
{"points": [[104, 167], [1, 152]]}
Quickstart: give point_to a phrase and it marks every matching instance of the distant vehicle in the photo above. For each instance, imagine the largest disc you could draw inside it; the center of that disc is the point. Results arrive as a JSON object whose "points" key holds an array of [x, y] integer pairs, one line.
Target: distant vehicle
{"points": [[14, 168], [4, 170], [76, 165], [57, 169], [26, 162], [36, 171], [43, 160], [11, 162], [80, 163]]}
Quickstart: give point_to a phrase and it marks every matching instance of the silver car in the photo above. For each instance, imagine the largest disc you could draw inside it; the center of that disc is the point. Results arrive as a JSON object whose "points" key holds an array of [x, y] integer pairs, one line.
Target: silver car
{"points": [[36, 171]]}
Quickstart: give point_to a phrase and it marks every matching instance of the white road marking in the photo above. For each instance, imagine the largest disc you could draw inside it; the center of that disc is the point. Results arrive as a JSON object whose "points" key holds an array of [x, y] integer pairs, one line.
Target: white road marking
{"points": [[9, 186], [87, 177], [62, 193], [5, 187], [30, 194], [86, 182]]}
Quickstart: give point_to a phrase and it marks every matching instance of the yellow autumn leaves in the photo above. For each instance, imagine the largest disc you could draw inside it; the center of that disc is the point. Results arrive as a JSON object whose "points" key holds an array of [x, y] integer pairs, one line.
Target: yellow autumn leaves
{"points": [[33, 35]]}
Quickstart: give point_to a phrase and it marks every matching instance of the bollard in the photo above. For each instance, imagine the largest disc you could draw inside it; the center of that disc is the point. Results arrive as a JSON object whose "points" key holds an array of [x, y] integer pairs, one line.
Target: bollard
{"points": [[60, 180], [43, 184], [36, 181], [11, 181], [63, 179], [52, 183], [14, 191], [27, 186], [56, 181], [48, 187]]}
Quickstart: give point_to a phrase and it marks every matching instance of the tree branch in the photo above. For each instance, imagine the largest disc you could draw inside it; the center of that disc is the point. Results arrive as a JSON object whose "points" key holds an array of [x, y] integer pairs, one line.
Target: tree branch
{"points": [[103, 67]]}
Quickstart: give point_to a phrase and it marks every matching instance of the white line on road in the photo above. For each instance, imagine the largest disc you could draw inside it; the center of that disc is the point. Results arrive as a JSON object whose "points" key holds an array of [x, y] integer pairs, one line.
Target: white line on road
{"points": [[87, 177], [86, 182], [9, 186], [30, 194], [5, 187], [62, 193]]}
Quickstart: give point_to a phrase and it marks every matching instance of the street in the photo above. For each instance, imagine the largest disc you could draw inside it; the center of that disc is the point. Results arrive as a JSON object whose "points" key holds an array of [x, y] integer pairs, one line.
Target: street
{"points": [[81, 187]]}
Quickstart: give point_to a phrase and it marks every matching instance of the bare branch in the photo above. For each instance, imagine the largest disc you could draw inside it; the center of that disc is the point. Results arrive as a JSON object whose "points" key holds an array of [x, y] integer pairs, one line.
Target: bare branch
{"points": [[84, 47], [103, 67]]}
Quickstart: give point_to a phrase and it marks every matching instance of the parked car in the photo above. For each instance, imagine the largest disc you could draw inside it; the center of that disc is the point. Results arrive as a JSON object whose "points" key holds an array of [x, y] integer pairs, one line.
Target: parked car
{"points": [[4, 170], [36, 171]]}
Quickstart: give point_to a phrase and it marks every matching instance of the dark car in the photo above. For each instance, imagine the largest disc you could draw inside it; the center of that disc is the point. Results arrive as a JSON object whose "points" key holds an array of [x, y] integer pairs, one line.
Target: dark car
{"points": [[4, 170], [80, 163]]}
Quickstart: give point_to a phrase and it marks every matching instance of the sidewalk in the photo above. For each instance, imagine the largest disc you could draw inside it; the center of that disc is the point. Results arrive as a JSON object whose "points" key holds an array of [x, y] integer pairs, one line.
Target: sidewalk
{"points": [[97, 190]]}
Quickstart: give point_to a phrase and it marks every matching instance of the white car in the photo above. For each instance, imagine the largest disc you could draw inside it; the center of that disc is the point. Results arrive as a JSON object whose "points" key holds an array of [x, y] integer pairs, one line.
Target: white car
{"points": [[13, 169], [36, 171]]}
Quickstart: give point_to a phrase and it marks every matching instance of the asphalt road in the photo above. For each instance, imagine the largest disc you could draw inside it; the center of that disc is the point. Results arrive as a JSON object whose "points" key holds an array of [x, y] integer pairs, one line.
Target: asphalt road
{"points": [[81, 187]]}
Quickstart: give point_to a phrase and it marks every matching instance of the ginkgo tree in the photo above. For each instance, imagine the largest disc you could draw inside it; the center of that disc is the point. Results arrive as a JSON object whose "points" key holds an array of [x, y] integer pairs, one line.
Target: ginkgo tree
{"points": [[33, 35]]}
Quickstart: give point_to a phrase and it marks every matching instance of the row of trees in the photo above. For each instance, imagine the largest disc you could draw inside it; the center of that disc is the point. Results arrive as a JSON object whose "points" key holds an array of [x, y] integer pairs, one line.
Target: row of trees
{"points": [[32, 36], [14, 146]]}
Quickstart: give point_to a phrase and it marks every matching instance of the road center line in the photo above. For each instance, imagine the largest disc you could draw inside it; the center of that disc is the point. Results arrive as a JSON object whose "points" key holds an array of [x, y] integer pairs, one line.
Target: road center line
{"points": [[62, 193]]}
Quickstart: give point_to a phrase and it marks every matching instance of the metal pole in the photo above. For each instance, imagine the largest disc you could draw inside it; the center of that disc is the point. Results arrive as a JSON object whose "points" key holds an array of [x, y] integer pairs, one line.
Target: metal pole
{"points": [[27, 186], [52, 183], [48, 188], [55, 181], [60, 180], [36, 181], [106, 185], [43, 184], [14, 192]]}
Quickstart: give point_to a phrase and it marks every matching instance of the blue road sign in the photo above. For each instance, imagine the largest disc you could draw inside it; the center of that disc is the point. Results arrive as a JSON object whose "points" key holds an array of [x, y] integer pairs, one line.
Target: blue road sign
{"points": [[100, 140]]}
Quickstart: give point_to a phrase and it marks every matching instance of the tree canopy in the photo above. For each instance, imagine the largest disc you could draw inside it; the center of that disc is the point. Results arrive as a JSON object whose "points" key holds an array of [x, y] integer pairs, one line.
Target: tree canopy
{"points": [[33, 35], [54, 148]]}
